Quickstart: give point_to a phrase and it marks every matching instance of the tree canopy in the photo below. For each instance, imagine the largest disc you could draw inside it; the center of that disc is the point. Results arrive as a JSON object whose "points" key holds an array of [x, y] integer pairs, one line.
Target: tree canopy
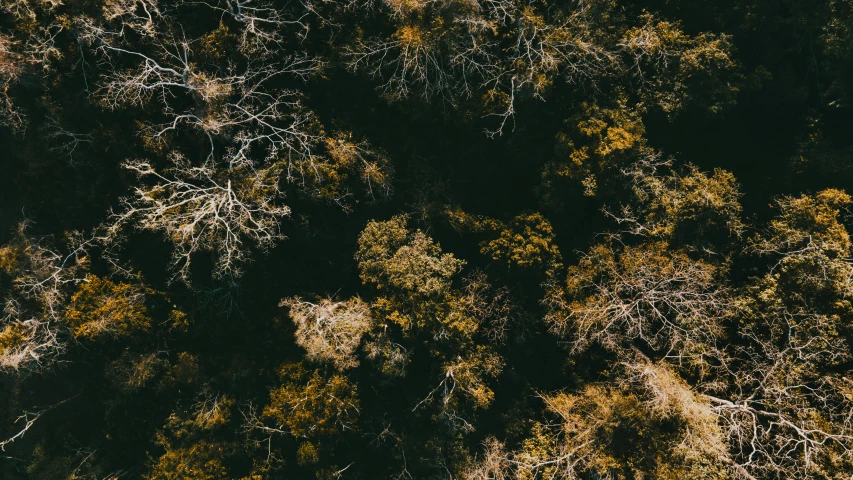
{"points": [[426, 239]]}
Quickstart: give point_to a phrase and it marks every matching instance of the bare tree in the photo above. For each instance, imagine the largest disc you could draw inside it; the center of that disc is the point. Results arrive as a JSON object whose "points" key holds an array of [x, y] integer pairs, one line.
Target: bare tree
{"points": [[668, 301], [411, 60], [467, 55], [140, 16], [27, 420], [263, 22], [233, 108], [20, 57], [787, 412], [328, 330], [455, 60], [204, 209], [11, 67], [493, 307], [162, 72], [42, 278], [67, 141], [783, 421], [27, 344]]}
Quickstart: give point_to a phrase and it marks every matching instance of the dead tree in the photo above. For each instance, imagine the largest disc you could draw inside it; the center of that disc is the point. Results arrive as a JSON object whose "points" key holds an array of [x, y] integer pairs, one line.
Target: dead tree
{"points": [[328, 330], [204, 208]]}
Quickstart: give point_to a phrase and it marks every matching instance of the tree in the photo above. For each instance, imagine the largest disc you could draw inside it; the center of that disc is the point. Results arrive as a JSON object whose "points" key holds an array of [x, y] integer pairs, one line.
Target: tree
{"points": [[654, 425], [37, 285], [259, 137], [688, 209], [416, 277], [444, 51], [205, 208], [264, 22], [11, 67], [527, 242], [200, 461], [469, 375], [330, 331], [393, 257], [666, 301], [102, 308], [598, 140], [786, 411], [498, 50], [190, 451], [237, 108], [676, 70], [810, 246], [309, 404], [350, 162]]}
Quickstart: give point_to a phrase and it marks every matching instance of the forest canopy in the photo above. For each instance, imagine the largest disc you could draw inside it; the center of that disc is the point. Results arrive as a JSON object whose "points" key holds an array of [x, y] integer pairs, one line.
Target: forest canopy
{"points": [[426, 239]]}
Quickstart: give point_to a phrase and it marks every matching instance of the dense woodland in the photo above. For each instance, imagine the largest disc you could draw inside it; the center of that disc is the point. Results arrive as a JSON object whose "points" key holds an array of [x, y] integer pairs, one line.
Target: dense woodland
{"points": [[426, 239]]}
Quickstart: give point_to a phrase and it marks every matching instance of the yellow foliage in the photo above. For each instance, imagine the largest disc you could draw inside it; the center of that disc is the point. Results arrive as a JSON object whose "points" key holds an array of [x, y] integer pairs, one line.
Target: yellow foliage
{"points": [[394, 257], [310, 404], [678, 69], [307, 454], [597, 140], [13, 336], [527, 242], [202, 460], [350, 162], [103, 308]]}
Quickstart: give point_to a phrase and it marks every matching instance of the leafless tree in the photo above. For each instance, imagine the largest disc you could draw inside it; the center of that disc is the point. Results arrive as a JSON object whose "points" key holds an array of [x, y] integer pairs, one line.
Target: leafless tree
{"points": [[204, 209], [412, 61], [230, 107], [32, 343], [564, 47], [139, 16], [788, 407], [90, 467], [786, 411], [493, 307], [67, 141], [11, 68], [264, 22], [42, 277], [19, 57], [162, 72], [275, 123], [27, 420], [670, 302], [454, 61], [329, 330], [40, 48], [469, 57]]}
